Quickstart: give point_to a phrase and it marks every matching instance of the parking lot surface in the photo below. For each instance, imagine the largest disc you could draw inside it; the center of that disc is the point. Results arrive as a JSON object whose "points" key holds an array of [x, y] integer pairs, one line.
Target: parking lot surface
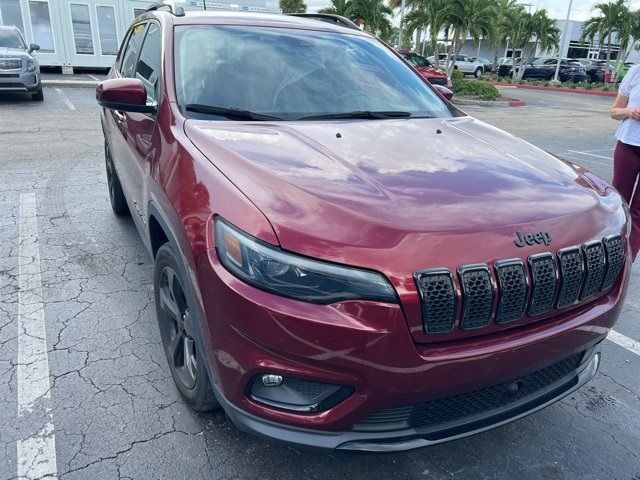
{"points": [[108, 407]]}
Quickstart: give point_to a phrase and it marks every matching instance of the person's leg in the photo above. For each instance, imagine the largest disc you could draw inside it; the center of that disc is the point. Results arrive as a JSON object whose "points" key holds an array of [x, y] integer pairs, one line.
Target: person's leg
{"points": [[626, 168]]}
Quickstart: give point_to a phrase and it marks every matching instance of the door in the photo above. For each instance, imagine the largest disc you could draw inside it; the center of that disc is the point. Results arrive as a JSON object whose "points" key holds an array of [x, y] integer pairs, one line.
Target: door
{"points": [[141, 126], [116, 122], [93, 28], [41, 26]]}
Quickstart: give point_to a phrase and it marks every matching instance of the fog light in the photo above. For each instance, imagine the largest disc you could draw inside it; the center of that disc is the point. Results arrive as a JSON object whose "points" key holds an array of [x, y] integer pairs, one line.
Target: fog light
{"points": [[295, 394], [271, 380]]}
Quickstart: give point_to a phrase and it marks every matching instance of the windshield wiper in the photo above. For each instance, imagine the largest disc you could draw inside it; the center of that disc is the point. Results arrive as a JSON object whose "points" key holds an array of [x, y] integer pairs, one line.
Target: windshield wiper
{"points": [[359, 114], [236, 113]]}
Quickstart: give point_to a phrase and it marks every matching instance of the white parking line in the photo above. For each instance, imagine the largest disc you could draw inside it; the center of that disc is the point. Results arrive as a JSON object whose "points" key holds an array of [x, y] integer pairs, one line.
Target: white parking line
{"points": [[36, 454], [65, 98], [590, 154], [624, 341], [94, 77], [586, 160]]}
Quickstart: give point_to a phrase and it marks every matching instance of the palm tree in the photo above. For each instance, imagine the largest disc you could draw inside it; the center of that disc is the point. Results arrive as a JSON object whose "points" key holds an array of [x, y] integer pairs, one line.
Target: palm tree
{"points": [[546, 34], [473, 19], [629, 35], [375, 14], [613, 16], [338, 7], [508, 13], [293, 6], [431, 14]]}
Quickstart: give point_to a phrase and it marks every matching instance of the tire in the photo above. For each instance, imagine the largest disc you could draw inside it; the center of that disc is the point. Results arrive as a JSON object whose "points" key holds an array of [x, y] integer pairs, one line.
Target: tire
{"points": [[181, 342], [38, 96], [116, 195], [478, 72]]}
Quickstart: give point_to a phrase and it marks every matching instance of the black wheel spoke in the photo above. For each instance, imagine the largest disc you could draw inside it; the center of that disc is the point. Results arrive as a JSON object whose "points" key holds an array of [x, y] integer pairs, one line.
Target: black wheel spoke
{"points": [[176, 348], [168, 304]]}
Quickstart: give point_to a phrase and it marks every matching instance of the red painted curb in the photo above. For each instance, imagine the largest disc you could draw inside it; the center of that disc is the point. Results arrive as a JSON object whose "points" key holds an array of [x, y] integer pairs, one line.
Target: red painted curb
{"points": [[514, 102], [597, 93]]}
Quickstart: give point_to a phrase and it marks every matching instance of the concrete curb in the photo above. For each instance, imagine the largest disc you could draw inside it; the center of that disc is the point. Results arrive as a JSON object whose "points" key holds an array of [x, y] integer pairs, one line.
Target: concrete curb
{"points": [[597, 93], [507, 102], [70, 83]]}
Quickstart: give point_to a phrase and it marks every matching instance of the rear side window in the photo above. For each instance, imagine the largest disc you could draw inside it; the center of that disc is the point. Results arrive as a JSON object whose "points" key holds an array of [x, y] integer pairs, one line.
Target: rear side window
{"points": [[148, 68], [131, 52]]}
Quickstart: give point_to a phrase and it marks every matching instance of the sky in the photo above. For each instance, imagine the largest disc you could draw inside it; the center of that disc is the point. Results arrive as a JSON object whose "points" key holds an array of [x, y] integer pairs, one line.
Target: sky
{"points": [[581, 9]]}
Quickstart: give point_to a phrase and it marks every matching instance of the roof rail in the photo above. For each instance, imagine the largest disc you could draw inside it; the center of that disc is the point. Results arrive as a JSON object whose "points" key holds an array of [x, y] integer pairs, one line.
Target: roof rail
{"points": [[328, 18], [174, 9]]}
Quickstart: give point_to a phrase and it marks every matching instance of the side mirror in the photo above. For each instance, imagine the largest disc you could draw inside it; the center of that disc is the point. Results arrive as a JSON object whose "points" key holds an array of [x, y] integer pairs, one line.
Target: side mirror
{"points": [[34, 47], [125, 94], [444, 91]]}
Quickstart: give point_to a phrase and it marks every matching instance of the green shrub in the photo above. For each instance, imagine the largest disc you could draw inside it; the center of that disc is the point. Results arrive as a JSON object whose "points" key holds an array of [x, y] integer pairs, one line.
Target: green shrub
{"points": [[473, 88], [456, 76], [589, 86], [546, 83], [606, 88]]}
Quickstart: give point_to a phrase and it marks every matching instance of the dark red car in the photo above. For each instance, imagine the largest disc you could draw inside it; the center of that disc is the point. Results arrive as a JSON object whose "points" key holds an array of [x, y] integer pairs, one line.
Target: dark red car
{"points": [[435, 75], [342, 259]]}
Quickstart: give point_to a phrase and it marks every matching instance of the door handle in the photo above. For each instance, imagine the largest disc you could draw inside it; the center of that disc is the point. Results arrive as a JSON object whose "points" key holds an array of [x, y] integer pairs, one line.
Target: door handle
{"points": [[119, 116]]}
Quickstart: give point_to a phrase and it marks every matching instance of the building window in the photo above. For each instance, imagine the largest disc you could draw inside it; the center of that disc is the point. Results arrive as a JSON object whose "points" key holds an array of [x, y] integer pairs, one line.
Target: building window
{"points": [[10, 14], [41, 25], [81, 23], [107, 30]]}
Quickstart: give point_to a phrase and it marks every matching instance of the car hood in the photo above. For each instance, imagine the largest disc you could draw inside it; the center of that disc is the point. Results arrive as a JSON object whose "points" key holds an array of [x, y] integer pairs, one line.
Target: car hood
{"points": [[13, 52], [358, 191], [431, 71]]}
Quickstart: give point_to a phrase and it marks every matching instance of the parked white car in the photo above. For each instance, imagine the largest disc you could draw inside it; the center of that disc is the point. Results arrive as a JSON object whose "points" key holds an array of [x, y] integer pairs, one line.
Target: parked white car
{"points": [[463, 63]]}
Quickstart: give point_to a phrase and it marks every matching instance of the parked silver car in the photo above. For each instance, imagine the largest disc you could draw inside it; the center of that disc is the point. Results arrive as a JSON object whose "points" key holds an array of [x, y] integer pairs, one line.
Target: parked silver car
{"points": [[464, 63], [19, 69]]}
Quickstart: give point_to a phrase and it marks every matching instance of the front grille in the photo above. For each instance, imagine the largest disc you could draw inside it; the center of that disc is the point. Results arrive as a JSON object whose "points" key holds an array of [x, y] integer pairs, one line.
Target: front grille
{"points": [[594, 254], [559, 281], [478, 296], [572, 276], [615, 260], [512, 283], [545, 281], [438, 81], [438, 299], [443, 411], [10, 63]]}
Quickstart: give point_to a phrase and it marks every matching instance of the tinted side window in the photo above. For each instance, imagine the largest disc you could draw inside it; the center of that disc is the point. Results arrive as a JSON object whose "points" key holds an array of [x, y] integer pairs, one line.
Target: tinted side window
{"points": [[148, 68], [131, 52]]}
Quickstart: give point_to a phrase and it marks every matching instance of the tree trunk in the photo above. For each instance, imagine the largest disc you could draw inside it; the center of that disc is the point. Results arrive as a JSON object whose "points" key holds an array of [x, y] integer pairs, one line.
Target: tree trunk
{"points": [[525, 62], [609, 48], [418, 37]]}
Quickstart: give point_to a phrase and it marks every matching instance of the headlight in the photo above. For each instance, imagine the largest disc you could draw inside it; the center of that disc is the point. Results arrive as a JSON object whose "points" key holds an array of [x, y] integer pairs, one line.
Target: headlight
{"points": [[31, 64], [274, 270]]}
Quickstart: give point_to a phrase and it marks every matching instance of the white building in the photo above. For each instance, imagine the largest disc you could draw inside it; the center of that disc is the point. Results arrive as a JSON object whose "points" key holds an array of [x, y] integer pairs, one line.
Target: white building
{"points": [[87, 33]]}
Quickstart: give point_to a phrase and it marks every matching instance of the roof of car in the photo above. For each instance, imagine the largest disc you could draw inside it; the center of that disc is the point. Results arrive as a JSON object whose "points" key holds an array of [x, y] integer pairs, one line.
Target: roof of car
{"points": [[192, 17]]}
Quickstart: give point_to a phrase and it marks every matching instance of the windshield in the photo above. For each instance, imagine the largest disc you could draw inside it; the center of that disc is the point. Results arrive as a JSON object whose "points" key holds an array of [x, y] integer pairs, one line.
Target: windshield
{"points": [[10, 38], [292, 74], [419, 61]]}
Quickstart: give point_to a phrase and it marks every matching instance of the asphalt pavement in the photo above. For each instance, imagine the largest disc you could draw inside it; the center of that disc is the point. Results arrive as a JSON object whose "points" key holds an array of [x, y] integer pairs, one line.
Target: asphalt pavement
{"points": [[85, 391]]}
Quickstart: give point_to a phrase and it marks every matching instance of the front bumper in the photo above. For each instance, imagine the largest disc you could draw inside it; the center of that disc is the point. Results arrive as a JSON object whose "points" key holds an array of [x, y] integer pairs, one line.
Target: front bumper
{"points": [[411, 438], [368, 347], [19, 81]]}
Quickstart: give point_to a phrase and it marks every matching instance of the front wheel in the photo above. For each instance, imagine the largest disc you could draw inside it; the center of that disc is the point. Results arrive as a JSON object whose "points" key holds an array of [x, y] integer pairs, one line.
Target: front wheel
{"points": [[179, 335], [38, 96], [478, 72]]}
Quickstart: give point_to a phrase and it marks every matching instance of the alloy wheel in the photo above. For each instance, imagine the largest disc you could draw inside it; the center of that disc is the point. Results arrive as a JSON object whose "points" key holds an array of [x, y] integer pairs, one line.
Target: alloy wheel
{"points": [[176, 328]]}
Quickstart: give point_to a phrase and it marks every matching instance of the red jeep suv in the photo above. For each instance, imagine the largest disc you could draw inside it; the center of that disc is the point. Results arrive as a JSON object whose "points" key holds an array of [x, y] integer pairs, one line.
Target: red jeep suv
{"points": [[342, 258]]}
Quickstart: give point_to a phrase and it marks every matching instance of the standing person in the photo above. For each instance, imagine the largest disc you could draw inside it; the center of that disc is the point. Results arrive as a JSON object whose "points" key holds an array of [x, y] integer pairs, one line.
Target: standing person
{"points": [[626, 159]]}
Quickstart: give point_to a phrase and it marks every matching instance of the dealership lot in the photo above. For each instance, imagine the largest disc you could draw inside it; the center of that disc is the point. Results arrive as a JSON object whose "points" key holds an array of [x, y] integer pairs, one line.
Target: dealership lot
{"points": [[110, 410]]}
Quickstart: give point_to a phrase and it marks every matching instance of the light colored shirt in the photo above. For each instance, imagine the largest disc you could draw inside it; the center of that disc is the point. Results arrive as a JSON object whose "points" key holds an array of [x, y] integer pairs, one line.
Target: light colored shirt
{"points": [[629, 129]]}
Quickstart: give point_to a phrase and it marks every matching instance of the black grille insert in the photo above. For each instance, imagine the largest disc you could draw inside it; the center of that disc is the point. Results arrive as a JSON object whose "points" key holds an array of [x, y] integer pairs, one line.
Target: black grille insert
{"points": [[438, 299], [543, 274], [512, 285], [615, 260], [477, 293], [443, 411], [572, 276], [595, 259]]}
